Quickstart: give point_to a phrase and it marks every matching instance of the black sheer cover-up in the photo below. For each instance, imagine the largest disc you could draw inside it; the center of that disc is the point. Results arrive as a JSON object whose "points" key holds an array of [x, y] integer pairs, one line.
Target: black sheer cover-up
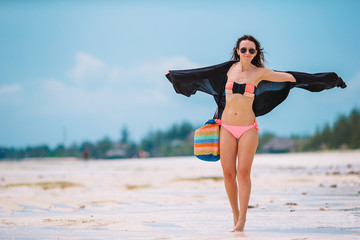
{"points": [[268, 94]]}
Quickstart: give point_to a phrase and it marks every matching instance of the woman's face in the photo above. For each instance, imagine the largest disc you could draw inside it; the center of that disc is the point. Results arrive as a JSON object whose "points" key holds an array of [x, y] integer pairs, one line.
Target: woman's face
{"points": [[246, 56]]}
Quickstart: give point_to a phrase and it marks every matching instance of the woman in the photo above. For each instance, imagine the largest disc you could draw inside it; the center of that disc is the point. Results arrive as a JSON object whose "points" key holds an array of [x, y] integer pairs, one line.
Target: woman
{"points": [[250, 90], [241, 142]]}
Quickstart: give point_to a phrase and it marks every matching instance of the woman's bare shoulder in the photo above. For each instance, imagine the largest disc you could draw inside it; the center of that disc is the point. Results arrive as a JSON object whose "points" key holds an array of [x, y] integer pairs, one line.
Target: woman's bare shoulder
{"points": [[263, 70]]}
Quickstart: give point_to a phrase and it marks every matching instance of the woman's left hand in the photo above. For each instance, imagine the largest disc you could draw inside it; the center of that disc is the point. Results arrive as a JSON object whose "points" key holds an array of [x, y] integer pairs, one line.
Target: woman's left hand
{"points": [[340, 83]]}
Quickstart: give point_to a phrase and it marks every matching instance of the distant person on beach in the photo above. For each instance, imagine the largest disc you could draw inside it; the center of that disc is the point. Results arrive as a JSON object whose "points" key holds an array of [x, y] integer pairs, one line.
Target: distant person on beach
{"points": [[244, 89], [86, 155]]}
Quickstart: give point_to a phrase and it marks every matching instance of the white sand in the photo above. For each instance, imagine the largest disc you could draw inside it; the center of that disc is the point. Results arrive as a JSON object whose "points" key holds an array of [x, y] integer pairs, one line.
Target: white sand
{"points": [[294, 196]]}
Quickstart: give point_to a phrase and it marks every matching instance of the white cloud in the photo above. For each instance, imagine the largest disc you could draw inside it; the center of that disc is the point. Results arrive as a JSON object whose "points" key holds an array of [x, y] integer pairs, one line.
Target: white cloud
{"points": [[149, 79], [161, 67], [10, 89], [10, 94], [114, 74], [65, 99], [53, 86], [88, 69]]}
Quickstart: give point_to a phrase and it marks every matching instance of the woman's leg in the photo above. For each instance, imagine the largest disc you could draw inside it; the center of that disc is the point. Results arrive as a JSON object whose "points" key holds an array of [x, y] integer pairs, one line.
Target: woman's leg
{"points": [[228, 150], [246, 150]]}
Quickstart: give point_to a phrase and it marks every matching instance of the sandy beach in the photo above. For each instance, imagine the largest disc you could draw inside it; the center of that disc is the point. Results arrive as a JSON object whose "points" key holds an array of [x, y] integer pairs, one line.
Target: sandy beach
{"points": [[294, 196]]}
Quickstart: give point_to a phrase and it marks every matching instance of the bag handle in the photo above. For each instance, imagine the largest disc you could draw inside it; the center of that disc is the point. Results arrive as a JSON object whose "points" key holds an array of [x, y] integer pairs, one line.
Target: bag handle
{"points": [[216, 115]]}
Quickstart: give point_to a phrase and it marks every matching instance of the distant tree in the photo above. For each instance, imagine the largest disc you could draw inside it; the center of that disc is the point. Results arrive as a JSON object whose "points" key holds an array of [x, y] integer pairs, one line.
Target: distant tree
{"points": [[354, 122], [342, 130], [74, 151], [171, 142], [124, 135], [131, 150], [60, 151], [344, 133], [148, 143], [184, 130], [103, 146], [326, 137], [11, 153], [263, 139], [38, 151], [2, 152]]}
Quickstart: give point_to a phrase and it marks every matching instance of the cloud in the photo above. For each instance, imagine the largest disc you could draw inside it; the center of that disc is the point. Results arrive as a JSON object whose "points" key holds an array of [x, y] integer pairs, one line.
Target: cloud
{"points": [[10, 94], [9, 89], [92, 73], [85, 65], [149, 80], [89, 70], [56, 98]]}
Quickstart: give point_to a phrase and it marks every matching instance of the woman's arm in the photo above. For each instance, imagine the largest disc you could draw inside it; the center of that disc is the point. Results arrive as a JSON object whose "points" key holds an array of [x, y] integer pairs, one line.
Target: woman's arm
{"points": [[270, 75]]}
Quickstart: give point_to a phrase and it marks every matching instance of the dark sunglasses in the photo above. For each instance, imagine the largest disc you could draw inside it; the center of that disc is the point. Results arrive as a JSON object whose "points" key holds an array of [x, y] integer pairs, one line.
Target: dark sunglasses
{"points": [[251, 50]]}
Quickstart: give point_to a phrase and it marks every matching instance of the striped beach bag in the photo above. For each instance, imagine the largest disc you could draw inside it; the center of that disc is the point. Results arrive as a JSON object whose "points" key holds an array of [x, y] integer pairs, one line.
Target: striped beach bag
{"points": [[206, 142]]}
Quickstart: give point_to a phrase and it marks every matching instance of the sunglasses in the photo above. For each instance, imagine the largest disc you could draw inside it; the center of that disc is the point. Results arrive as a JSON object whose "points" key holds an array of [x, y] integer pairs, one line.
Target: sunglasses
{"points": [[251, 50]]}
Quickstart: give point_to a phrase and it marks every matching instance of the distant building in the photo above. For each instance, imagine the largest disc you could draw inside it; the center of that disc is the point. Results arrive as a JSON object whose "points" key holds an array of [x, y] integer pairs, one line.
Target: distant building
{"points": [[143, 154], [279, 145], [118, 150]]}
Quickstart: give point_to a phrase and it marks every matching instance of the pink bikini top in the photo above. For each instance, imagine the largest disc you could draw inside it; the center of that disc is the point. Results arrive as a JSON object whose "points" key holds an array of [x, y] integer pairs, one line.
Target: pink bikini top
{"points": [[246, 89]]}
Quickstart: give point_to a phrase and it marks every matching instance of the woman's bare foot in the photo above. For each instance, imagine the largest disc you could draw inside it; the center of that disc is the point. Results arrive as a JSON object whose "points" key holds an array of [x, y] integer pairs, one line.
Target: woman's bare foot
{"points": [[236, 217], [239, 227]]}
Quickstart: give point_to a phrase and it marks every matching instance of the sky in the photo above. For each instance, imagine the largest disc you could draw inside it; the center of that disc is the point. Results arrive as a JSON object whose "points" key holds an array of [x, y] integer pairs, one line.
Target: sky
{"points": [[72, 71]]}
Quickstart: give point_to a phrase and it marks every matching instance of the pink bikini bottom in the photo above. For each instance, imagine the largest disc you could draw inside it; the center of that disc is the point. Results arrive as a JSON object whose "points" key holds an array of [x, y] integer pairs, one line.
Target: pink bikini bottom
{"points": [[237, 131]]}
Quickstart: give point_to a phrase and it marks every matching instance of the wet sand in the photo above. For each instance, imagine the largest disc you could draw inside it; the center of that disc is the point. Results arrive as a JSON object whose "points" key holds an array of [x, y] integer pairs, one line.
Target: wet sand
{"points": [[294, 196]]}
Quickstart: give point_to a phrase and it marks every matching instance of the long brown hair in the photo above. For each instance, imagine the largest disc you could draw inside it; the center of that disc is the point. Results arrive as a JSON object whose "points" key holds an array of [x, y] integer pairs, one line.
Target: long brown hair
{"points": [[259, 59]]}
